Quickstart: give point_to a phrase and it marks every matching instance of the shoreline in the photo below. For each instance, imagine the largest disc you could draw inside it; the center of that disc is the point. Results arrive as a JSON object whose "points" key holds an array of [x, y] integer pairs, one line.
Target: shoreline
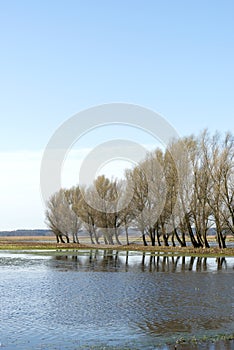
{"points": [[46, 243]]}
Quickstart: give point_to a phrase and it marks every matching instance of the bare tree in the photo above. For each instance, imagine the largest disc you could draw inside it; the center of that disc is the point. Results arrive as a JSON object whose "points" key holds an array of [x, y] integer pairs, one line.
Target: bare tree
{"points": [[182, 191], [149, 195], [60, 216], [180, 151], [172, 207], [88, 214], [202, 184], [220, 199]]}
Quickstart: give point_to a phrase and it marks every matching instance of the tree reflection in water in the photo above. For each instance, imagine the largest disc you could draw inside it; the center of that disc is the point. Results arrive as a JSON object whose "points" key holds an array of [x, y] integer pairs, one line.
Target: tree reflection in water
{"points": [[114, 260]]}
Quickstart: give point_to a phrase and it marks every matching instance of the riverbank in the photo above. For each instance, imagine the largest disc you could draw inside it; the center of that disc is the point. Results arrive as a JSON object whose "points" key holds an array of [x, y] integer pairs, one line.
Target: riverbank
{"points": [[39, 243]]}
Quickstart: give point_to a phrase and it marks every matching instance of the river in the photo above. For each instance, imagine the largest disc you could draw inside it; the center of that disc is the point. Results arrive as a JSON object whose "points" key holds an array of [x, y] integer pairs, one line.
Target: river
{"points": [[95, 299]]}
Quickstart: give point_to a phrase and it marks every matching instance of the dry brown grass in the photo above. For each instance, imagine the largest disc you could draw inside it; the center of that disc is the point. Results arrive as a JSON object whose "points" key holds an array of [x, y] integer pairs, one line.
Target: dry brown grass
{"points": [[27, 238], [48, 243]]}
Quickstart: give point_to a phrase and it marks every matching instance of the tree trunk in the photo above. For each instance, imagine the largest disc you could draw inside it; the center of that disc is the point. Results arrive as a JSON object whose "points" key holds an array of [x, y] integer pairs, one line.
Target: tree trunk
{"points": [[152, 236], [182, 242], [199, 238], [158, 237], [95, 235], [91, 237], [144, 240], [220, 238], [105, 240], [183, 239], [75, 238], [126, 233], [61, 239], [206, 241], [173, 239], [190, 232], [165, 236], [165, 239], [116, 237]]}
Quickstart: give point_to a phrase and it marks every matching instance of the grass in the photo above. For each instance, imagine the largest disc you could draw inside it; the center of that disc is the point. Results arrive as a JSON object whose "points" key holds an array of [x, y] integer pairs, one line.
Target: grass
{"points": [[47, 243], [220, 338]]}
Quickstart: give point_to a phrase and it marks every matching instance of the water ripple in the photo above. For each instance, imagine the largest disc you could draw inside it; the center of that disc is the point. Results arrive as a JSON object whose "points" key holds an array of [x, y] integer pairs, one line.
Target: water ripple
{"points": [[44, 306]]}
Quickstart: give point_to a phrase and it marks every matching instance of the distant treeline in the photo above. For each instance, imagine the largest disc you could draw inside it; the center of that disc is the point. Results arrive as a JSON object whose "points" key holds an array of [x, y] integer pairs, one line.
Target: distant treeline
{"points": [[172, 197], [26, 233]]}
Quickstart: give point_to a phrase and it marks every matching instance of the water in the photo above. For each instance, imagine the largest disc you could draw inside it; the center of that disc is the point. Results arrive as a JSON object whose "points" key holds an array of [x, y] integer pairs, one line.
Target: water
{"points": [[113, 300]]}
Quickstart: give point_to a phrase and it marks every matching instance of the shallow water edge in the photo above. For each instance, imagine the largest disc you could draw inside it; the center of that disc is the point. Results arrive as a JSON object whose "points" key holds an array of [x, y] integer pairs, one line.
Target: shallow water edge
{"points": [[110, 299]]}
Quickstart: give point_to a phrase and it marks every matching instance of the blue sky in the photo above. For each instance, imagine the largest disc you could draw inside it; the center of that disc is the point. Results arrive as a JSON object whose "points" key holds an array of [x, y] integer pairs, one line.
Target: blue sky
{"points": [[59, 57]]}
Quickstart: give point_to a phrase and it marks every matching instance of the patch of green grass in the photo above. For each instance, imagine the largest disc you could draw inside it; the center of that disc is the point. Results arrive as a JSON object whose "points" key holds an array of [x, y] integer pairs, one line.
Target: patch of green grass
{"points": [[172, 251]]}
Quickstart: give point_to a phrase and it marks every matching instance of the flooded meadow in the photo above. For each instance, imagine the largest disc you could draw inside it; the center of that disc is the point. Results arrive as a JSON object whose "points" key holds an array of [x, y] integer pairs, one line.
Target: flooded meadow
{"points": [[107, 299]]}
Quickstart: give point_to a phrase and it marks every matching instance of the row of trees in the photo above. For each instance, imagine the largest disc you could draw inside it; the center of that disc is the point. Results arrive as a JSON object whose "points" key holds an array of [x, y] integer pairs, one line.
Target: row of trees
{"points": [[171, 197]]}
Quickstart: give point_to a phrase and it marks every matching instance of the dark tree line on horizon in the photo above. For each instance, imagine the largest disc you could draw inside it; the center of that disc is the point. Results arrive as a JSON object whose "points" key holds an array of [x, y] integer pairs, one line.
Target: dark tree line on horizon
{"points": [[172, 197]]}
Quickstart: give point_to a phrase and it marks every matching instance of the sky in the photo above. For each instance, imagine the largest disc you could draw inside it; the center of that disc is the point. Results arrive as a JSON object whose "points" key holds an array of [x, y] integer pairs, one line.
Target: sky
{"points": [[175, 57]]}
